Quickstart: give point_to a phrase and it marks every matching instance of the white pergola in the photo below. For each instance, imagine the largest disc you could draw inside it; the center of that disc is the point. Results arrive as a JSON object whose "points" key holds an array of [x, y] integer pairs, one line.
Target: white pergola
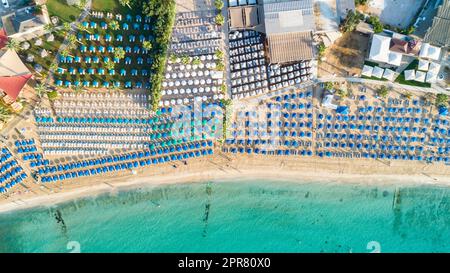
{"points": [[377, 72], [367, 71], [410, 75]]}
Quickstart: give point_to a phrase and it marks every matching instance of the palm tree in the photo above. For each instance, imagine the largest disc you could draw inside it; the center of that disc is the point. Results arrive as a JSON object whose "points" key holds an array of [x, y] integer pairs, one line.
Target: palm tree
{"points": [[67, 26], [114, 25], [109, 65], [13, 44], [72, 40], [53, 66], [119, 53], [81, 27], [49, 27], [65, 52], [125, 3], [41, 89], [147, 45], [4, 113]]}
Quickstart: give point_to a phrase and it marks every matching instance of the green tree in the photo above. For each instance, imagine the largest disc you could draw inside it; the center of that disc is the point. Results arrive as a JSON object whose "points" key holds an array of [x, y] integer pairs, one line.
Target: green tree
{"points": [[81, 27], [5, 113], [41, 89], [66, 27], [383, 91], [321, 49], [49, 27], [220, 66], [185, 60], [328, 86], [13, 44], [220, 20], [441, 100], [125, 3], [342, 93], [65, 52], [72, 41], [350, 22], [114, 25], [219, 54], [219, 4], [375, 22], [196, 61], [119, 53], [109, 65], [147, 45]]}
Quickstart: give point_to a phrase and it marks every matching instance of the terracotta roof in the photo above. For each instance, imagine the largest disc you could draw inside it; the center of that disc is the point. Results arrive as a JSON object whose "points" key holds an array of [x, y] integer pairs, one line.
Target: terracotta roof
{"points": [[398, 45], [3, 38], [290, 47], [13, 85]]}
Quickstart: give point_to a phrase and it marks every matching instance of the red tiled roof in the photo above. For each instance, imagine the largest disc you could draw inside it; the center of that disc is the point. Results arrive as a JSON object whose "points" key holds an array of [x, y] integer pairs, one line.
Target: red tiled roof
{"points": [[13, 85], [3, 38]]}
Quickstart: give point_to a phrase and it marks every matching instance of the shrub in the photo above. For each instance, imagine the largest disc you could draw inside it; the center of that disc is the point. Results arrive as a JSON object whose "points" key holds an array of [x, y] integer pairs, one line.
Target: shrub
{"points": [[383, 92], [220, 20], [441, 100], [375, 22]]}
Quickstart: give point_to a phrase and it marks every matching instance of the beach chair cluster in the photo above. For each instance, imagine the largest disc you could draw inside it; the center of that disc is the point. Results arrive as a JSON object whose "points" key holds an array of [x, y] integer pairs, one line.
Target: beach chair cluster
{"points": [[281, 76], [285, 129], [247, 64], [195, 33], [198, 78], [128, 161], [97, 43], [27, 148], [193, 74], [388, 131], [11, 173], [393, 130], [96, 123]]}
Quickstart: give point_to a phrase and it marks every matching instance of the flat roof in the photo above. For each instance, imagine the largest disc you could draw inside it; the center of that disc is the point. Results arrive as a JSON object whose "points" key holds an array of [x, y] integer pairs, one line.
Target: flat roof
{"points": [[438, 33], [288, 16], [290, 47], [243, 17]]}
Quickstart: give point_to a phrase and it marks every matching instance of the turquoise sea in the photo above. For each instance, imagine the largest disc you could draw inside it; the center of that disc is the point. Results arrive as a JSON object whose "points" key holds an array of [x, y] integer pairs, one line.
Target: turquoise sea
{"points": [[239, 216]]}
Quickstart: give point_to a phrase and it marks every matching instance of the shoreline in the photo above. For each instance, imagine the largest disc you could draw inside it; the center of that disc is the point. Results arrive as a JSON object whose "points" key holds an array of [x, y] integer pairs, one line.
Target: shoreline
{"points": [[223, 167]]}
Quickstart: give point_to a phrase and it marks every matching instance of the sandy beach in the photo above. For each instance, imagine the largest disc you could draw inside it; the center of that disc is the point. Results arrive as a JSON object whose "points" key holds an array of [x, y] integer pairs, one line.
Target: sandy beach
{"points": [[225, 167]]}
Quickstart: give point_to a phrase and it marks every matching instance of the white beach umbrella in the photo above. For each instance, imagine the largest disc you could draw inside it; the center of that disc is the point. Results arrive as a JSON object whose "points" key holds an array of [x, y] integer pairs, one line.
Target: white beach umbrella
{"points": [[377, 72], [423, 65], [431, 77], [388, 74], [366, 71], [434, 67], [420, 76], [410, 75]]}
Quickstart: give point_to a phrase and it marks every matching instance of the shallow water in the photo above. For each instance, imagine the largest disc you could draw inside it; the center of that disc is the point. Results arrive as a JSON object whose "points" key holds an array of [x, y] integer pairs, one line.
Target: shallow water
{"points": [[250, 216]]}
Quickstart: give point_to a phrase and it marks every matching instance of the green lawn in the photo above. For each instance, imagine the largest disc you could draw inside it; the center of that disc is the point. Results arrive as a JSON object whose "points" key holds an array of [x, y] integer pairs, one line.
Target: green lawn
{"points": [[373, 78], [401, 78], [51, 47], [110, 5], [369, 63], [121, 65], [65, 12]]}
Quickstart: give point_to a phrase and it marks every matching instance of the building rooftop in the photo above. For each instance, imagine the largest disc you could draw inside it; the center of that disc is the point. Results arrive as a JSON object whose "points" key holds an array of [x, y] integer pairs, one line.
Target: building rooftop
{"points": [[282, 16], [244, 17], [438, 33], [290, 47], [21, 21]]}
